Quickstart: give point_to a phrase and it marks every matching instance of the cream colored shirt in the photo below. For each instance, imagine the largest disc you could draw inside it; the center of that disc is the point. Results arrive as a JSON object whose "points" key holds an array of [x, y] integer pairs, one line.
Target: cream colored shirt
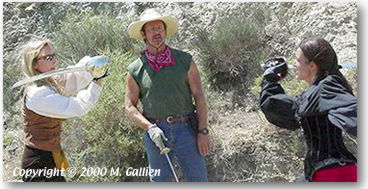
{"points": [[45, 101]]}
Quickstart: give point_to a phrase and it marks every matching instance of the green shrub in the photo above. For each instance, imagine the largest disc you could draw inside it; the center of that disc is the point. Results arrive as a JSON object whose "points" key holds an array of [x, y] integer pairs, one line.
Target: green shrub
{"points": [[231, 53], [105, 137], [88, 34]]}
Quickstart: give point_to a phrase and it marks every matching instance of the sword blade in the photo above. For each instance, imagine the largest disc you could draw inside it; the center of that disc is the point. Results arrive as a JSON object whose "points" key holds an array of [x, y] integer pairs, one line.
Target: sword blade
{"points": [[349, 65], [48, 74], [172, 168]]}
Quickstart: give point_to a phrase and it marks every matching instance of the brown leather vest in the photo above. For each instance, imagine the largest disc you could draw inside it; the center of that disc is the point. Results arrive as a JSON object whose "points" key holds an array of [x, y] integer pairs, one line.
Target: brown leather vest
{"points": [[41, 132]]}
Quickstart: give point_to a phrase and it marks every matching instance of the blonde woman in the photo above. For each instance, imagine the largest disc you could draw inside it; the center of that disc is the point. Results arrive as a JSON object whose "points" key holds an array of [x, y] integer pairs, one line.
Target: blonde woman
{"points": [[49, 102]]}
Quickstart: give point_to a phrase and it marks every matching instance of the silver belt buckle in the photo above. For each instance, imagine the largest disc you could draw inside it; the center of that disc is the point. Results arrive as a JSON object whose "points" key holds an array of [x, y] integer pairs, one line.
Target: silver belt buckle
{"points": [[169, 119]]}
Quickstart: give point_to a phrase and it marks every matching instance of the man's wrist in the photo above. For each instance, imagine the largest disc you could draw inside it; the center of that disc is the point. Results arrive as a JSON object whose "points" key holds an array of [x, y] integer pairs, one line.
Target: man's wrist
{"points": [[203, 130], [200, 126], [151, 125]]}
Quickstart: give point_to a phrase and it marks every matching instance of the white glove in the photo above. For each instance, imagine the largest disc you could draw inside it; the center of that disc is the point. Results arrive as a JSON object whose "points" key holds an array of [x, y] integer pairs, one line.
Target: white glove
{"points": [[155, 133], [83, 62]]}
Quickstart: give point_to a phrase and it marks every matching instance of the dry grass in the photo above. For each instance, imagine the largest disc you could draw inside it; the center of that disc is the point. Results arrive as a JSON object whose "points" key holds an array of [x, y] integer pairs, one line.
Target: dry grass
{"points": [[246, 148]]}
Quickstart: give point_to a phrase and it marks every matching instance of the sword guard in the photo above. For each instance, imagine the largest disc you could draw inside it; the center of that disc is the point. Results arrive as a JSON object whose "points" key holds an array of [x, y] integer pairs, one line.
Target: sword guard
{"points": [[165, 150], [98, 66]]}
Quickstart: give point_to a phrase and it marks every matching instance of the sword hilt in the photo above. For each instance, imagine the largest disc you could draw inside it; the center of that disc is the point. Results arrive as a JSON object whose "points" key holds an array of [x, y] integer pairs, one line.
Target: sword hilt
{"points": [[165, 150]]}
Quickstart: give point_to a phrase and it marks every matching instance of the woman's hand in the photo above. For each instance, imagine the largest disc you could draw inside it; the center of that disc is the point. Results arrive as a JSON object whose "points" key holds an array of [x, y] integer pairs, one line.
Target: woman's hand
{"points": [[99, 81]]}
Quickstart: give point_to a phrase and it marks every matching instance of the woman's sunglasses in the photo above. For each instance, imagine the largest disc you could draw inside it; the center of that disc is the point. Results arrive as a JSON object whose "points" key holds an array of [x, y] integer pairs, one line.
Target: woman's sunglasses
{"points": [[49, 57]]}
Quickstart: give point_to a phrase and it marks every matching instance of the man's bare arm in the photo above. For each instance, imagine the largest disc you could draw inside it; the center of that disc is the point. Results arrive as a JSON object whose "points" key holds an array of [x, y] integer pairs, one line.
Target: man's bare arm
{"points": [[131, 101]]}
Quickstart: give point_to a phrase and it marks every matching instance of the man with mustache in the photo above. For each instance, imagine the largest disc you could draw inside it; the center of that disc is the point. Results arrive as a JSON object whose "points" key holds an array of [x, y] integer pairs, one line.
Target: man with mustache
{"points": [[166, 81]]}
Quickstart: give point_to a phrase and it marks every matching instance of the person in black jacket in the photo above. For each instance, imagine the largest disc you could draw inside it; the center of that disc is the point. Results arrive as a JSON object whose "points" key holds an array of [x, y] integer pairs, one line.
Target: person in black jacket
{"points": [[323, 111]]}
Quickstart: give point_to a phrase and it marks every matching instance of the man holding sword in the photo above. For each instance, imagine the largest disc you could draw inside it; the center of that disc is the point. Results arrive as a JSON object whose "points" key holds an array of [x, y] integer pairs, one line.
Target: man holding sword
{"points": [[166, 81]]}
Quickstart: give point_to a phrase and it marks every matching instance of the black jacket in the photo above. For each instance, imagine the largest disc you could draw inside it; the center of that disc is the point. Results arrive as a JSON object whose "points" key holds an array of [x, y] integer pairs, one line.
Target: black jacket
{"points": [[322, 111]]}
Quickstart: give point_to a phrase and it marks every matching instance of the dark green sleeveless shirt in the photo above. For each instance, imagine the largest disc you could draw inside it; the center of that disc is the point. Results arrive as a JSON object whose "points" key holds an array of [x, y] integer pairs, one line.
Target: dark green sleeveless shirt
{"points": [[164, 93]]}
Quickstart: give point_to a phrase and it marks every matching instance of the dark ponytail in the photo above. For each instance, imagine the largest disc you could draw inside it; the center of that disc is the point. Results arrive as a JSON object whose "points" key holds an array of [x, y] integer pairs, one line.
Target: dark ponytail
{"points": [[321, 53]]}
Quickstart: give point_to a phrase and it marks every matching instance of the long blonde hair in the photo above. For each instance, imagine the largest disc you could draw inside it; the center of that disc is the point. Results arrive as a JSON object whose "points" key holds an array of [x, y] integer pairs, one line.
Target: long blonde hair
{"points": [[28, 56]]}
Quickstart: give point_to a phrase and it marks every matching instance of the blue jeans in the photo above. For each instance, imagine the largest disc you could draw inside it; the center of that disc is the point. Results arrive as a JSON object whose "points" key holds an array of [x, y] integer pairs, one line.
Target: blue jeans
{"points": [[183, 145]]}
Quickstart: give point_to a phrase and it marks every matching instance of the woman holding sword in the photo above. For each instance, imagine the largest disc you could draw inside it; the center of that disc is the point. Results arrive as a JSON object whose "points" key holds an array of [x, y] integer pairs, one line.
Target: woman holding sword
{"points": [[47, 103], [322, 111]]}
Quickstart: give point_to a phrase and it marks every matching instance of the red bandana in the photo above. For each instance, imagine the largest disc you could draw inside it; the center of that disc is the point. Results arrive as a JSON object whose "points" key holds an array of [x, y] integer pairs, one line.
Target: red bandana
{"points": [[156, 62]]}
